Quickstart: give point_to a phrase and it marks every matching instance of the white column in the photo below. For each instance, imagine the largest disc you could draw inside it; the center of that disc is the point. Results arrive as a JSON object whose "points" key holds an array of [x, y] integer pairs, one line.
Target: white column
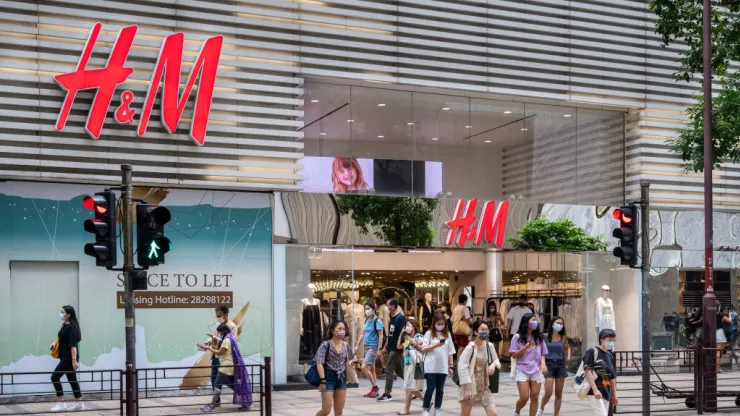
{"points": [[279, 310], [494, 270]]}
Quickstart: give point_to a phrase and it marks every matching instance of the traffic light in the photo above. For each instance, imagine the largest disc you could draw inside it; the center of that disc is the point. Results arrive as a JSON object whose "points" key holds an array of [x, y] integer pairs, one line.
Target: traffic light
{"points": [[103, 205], [627, 234], [151, 244]]}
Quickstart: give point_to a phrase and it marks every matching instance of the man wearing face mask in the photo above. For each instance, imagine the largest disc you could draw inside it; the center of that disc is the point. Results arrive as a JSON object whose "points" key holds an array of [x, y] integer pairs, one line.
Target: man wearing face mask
{"points": [[598, 364], [222, 317], [394, 362], [514, 318]]}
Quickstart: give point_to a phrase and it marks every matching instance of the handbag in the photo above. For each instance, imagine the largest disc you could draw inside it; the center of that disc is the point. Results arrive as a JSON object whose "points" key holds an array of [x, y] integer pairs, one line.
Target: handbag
{"points": [[312, 375], [419, 373], [492, 379], [496, 335], [54, 352], [580, 384]]}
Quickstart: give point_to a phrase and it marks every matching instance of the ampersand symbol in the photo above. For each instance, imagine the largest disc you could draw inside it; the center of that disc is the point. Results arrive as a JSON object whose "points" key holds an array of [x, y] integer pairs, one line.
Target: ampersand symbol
{"points": [[124, 113]]}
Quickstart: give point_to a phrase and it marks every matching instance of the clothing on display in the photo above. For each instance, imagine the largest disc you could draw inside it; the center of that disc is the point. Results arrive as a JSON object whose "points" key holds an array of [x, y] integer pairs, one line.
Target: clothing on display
{"points": [[604, 312], [312, 332], [426, 312]]}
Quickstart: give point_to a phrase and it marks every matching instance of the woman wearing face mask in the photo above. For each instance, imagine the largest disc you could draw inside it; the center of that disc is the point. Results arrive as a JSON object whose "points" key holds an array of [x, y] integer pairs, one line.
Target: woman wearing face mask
{"points": [[411, 343], [68, 340], [529, 348], [438, 362], [331, 362], [477, 362], [371, 337], [558, 354], [231, 371], [495, 323]]}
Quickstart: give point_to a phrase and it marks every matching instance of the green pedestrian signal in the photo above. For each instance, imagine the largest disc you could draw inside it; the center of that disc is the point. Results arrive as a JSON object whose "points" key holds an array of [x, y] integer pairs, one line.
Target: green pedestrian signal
{"points": [[153, 251], [152, 245]]}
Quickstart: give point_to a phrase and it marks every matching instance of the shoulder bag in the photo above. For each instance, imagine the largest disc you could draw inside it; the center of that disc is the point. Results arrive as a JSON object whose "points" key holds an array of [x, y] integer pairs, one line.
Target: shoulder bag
{"points": [[580, 384], [419, 373], [312, 375], [54, 352], [493, 379]]}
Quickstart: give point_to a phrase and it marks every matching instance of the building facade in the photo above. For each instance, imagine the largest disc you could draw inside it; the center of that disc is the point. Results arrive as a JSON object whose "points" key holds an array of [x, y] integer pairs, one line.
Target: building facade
{"points": [[566, 103]]}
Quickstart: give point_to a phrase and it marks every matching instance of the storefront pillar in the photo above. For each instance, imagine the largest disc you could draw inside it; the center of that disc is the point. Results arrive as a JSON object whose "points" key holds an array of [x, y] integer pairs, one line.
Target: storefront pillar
{"points": [[280, 308], [494, 270]]}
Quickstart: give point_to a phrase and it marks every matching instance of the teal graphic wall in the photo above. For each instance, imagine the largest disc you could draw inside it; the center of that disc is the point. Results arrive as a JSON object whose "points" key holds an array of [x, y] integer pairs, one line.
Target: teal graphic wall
{"points": [[221, 242]]}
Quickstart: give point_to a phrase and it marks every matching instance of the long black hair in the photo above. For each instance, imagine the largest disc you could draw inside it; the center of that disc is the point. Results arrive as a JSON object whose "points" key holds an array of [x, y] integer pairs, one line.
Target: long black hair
{"points": [[370, 305], [70, 311], [561, 333], [524, 326], [332, 327]]}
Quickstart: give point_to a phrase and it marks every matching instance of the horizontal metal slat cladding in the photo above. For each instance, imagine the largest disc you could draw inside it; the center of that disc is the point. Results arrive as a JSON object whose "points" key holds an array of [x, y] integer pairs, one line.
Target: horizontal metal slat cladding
{"points": [[589, 51]]}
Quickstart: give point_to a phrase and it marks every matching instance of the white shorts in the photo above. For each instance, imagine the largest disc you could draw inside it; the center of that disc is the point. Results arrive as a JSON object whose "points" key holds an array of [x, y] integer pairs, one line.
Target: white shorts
{"points": [[537, 377], [598, 407], [721, 338]]}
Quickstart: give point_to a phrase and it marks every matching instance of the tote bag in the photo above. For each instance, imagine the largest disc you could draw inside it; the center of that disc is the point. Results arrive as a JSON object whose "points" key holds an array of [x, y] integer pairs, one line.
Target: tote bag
{"points": [[312, 375], [493, 379], [580, 384]]}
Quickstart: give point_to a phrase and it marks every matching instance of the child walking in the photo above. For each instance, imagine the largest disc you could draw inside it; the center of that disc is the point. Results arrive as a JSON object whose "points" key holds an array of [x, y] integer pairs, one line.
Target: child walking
{"points": [[410, 341]]}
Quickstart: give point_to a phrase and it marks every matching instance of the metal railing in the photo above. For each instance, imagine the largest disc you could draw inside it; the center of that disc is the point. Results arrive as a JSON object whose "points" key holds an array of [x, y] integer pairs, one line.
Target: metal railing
{"points": [[103, 391]]}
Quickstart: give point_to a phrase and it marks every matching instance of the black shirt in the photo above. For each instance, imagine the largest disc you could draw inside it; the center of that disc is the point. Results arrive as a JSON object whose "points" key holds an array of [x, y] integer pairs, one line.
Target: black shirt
{"points": [[395, 328], [68, 338], [603, 368]]}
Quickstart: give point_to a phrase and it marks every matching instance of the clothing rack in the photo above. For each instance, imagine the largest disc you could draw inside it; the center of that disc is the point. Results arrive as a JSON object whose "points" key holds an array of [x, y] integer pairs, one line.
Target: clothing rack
{"points": [[535, 293]]}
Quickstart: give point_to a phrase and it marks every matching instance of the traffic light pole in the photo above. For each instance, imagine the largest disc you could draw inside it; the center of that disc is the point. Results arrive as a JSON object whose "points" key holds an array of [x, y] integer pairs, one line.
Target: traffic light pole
{"points": [[128, 273], [646, 339], [709, 301]]}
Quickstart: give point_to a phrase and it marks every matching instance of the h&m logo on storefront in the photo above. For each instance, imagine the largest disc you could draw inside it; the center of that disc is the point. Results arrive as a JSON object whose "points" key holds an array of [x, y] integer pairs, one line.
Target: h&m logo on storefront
{"points": [[490, 228], [169, 62]]}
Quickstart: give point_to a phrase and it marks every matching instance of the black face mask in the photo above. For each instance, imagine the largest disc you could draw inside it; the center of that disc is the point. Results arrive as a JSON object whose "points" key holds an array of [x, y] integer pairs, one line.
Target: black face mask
{"points": [[522, 304]]}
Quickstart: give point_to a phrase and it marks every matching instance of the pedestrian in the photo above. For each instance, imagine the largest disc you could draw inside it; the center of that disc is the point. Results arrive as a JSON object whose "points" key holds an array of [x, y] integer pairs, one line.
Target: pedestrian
{"points": [[394, 361], [331, 362], [461, 320], [598, 366], [385, 317], [723, 322], [514, 318], [438, 362], [231, 371], [371, 337], [558, 354], [222, 317], [477, 363], [67, 346], [495, 323], [411, 342], [733, 334], [529, 349]]}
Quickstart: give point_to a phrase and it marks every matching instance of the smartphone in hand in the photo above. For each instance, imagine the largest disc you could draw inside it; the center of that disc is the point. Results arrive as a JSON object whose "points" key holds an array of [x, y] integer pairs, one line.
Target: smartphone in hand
{"points": [[442, 341]]}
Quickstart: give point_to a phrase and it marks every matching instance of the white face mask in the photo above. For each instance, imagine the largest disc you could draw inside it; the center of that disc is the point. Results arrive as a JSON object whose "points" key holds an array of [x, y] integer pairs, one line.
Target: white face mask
{"points": [[62, 317], [221, 320], [387, 309], [368, 313]]}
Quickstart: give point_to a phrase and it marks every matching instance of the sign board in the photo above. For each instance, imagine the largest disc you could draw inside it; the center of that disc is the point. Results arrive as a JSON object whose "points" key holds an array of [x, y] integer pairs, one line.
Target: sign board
{"points": [[490, 227]]}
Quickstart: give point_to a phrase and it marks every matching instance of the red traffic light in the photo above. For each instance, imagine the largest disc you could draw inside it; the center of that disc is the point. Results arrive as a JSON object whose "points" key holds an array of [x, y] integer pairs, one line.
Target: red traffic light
{"points": [[88, 202], [616, 214], [95, 203], [621, 215]]}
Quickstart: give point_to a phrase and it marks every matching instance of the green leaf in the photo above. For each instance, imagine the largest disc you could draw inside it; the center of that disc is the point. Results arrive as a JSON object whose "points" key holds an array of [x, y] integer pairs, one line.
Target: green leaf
{"points": [[541, 234]]}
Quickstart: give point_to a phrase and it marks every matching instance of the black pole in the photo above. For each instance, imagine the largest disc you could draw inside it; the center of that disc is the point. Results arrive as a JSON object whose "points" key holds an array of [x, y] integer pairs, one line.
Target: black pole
{"points": [[709, 301], [646, 335]]}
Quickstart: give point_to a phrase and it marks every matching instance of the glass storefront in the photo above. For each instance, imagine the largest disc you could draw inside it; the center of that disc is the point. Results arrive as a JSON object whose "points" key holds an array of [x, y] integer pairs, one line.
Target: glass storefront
{"points": [[382, 140]]}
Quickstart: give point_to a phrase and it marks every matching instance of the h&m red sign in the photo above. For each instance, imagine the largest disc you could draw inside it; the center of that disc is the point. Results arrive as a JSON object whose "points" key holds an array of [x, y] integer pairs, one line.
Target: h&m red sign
{"points": [[167, 69], [490, 228]]}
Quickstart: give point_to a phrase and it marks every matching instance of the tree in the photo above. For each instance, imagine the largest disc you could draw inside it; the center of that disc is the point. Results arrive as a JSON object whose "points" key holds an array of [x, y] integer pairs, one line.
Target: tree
{"points": [[680, 21], [402, 222], [541, 234]]}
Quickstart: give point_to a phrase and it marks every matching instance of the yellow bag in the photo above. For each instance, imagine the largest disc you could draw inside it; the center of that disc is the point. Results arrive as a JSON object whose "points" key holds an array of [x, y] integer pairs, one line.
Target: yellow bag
{"points": [[55, 349]]}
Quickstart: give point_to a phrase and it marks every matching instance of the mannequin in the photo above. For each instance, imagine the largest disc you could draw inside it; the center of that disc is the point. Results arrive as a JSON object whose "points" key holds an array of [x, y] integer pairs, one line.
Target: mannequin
{"points": [[426, 312], [604, 311], [355, 314], [312, 325]]}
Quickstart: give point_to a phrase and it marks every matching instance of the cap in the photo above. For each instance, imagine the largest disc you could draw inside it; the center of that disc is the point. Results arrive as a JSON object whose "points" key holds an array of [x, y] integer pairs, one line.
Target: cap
{"points": [[605, 287]]}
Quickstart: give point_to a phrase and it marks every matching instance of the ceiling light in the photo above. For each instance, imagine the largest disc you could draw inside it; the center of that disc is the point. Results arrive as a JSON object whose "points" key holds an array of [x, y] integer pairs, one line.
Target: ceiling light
{"points": [[380, 137], [487, 141], [468, 127], [525, 129], [410, 123], [566, 115], [381, 105], [507, 112], [350, 121], [314, 101], [435, 138], [322, 134], [445, 108]]}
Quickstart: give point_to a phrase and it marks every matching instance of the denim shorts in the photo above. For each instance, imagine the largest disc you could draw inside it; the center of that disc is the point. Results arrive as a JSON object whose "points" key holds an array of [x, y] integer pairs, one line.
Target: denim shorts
{"points": [[333, 383], [556, 369]]}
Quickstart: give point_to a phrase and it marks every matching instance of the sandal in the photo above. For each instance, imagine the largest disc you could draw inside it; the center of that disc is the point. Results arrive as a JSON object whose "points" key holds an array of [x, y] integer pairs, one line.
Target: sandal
{"points": [[402, 413]]}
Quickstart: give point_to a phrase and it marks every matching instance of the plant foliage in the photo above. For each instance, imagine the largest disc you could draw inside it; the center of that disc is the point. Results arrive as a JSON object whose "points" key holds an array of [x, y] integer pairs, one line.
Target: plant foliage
{"points": [[680, 22], [402, 222], [542, 234]]}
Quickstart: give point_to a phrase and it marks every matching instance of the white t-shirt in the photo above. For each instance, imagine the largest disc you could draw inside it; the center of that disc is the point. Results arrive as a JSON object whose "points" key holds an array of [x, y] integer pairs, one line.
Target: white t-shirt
{"points": [[437, 361], [515, 314]]}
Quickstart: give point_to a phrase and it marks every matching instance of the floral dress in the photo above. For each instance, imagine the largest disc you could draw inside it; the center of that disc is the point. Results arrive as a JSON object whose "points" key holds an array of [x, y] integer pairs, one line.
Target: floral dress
{"points": [[482, 396]]}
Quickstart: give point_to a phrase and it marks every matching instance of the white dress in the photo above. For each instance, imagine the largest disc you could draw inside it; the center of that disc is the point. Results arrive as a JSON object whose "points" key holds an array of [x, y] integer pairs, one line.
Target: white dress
{"points": [[604, 314]]}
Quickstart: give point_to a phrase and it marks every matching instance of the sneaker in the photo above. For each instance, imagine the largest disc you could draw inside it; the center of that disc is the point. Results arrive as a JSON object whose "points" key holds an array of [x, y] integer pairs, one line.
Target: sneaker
{"points": [[208, 409], [374, 392], [539, 413], [77, 406], [426, 413], [385, 398], [58, 407]]}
